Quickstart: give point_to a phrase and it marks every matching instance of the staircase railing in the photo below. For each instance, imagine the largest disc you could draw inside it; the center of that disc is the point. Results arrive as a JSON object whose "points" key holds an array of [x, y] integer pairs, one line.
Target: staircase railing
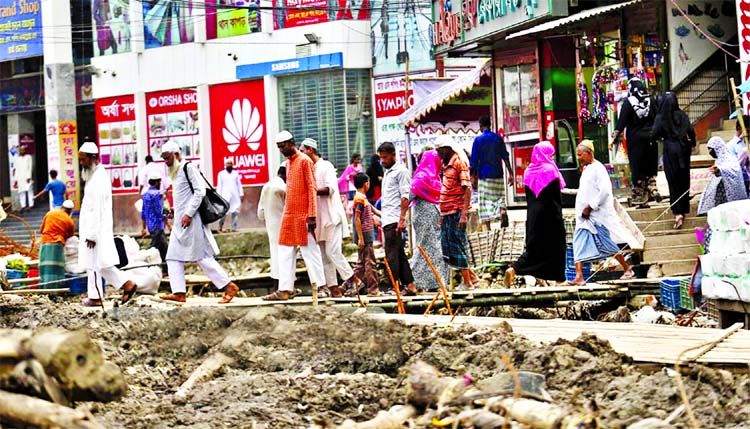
{"points": [[704, 97]]}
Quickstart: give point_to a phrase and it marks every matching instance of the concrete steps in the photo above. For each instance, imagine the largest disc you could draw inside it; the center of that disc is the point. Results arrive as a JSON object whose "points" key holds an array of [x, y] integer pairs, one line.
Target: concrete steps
{"points": [[648, 228], [671, 252], [17, 231], [663, 239], [675, 268]]}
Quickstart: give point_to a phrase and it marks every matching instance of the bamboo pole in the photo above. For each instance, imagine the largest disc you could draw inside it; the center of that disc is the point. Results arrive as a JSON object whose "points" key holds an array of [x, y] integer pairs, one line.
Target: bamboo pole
{"points": [[400, 305], [439, 279]]}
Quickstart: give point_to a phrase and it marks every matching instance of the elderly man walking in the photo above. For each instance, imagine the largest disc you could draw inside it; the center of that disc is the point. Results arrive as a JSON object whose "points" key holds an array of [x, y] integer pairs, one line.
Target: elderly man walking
{"points": [[22, 169], [394, 203], [598, 228], [270, 210], [229, 186], [299, 220], [97, 251], [331, 225], [57, 227], [455, 202], [191, 240]]}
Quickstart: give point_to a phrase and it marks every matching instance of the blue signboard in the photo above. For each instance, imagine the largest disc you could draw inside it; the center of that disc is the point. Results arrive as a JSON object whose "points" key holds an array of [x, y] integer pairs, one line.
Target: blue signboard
{"points": [[20, 29], [293, 65]]}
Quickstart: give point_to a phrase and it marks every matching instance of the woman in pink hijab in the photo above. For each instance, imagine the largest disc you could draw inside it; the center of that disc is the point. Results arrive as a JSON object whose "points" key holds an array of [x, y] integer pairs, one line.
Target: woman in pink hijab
{"points": [[544, 256], [425, 190]]}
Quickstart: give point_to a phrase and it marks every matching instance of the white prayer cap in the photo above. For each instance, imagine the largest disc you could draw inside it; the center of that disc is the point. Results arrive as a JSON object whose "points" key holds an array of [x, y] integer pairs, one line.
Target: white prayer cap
{"points": [[170, 147], [311, 143], [444, 141], [68, 204], [154, 176], [284, 136], [89, 147]]}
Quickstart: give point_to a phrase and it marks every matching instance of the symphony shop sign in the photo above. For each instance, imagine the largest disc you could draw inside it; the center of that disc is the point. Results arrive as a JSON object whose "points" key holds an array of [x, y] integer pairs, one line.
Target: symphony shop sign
{"points": [[461, 22]]}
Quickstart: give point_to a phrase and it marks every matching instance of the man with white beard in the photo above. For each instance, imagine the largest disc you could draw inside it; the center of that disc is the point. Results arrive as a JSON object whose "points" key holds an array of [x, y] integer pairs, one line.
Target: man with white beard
{"points": [[191, 240], [97, 251]]}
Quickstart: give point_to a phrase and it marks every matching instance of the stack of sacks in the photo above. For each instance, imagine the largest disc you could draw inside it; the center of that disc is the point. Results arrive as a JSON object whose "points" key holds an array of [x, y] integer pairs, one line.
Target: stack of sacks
{"points": [[726, 268], [71, 257]]}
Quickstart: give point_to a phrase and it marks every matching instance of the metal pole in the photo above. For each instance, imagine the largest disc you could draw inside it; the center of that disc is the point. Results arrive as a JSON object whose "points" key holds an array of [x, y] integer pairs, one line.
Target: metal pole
{"points": [[409, 162]]}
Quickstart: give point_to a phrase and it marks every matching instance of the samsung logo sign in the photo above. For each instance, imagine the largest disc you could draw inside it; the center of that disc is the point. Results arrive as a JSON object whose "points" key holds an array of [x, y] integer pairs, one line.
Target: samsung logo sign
{"points": [[296, 65]]}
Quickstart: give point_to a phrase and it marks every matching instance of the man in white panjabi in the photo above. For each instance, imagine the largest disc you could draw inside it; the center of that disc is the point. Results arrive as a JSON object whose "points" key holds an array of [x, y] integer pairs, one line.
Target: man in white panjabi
{"points": [[332, 226], [270, 210], [22, 169], [96, 250], [598, 228], [190, 240], [229, 186]]}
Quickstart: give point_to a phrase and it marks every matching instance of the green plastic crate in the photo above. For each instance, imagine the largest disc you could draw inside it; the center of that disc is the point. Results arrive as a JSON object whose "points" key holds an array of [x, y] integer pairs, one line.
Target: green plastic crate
{"points": [[686, 301]]}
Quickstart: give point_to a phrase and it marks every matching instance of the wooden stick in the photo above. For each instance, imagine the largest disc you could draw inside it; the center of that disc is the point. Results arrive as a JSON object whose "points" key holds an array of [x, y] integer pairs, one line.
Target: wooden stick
{"points": [[429, 307], [401, 309], [33, 412], [439, 279]]}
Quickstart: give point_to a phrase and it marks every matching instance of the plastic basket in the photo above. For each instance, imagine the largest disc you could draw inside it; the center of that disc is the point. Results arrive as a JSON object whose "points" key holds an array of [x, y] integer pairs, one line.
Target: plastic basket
{"points": [[14, 274], [669, 293], [686, 301], [79, 285], [33, 272]]}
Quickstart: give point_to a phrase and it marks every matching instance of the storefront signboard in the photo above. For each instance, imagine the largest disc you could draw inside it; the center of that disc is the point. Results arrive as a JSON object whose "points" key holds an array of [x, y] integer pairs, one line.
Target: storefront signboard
{"points": [[20, 29], [298, 13], [226, 21], [173, 115], [62, 155], [743, 23], [466, 21], [292, 65], [389, 104], [116, 136], [238, 130]]}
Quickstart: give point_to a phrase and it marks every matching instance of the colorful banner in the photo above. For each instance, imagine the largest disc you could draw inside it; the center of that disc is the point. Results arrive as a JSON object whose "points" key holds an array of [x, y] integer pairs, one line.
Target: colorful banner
{"points": [[238, 130], [118, 149], [298, 13], [400, 31], [20, 29], [173, 115], [62, 155], [111, 29], [169, 22], [225, 22], [743, 27], [389, 104]]}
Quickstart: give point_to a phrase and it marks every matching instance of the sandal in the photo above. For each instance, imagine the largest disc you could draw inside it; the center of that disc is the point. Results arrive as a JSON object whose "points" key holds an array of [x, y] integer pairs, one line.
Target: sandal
{"points": [[629, 274], [127, 294], [324, 292], [175, 297], [229, 293], [88, 302], [678, 221], [279, 295]]}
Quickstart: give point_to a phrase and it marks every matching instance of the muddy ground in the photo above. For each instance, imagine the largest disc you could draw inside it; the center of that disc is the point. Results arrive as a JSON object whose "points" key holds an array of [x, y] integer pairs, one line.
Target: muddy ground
{"points": [[297, 369]]}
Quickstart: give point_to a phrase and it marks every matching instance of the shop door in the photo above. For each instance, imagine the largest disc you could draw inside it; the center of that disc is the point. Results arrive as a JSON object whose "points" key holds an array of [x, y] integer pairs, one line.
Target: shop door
{"points": [[565, 157]]}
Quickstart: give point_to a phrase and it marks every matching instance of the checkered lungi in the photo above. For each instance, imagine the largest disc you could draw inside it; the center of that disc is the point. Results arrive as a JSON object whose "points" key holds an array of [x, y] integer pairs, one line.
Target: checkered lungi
{"points": [[51, 263], [491, 199], [453, 241]]}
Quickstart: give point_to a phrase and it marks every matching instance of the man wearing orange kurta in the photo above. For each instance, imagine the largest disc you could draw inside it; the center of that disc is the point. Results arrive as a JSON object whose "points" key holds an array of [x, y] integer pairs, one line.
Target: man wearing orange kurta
{"points": [[57, 227], [298, 220]]}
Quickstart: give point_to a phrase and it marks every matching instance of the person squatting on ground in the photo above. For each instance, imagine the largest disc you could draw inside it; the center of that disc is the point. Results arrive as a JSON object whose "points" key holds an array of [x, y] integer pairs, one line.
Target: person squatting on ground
{"points": [[56, 188], [96, 250], [190, 240], [57, 227], [544, 254], [455, 202], [22, 171], [488, 153], [331, 226], [270, 210], [229, 186], [636, 118], [598, 227], [152, 216], [364, 236], [394, 203], [298, 222]]}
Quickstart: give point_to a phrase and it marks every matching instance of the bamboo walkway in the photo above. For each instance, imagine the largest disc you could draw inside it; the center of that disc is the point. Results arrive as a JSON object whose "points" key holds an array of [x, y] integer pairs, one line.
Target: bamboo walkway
{"points": [[644, 343]]}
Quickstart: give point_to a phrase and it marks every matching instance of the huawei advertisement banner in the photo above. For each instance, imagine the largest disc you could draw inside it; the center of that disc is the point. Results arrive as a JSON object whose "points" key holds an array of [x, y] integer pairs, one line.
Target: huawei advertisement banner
{"points": [[173, 115], [118, 150], [238, 130]]}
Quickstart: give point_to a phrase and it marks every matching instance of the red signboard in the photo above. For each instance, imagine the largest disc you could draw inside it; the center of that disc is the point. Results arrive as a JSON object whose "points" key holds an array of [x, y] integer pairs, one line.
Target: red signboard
{"points": [[238, 130], [390, 104], [118, 150], [173, 115]]}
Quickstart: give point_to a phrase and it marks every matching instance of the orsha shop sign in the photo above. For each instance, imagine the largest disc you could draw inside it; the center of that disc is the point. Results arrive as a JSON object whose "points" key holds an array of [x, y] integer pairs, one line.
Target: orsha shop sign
{"points": [[468, 20]]}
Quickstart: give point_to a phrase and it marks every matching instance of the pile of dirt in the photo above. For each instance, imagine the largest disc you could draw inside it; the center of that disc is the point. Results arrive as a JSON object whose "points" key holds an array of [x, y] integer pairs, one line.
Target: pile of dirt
{"points": [[301, 368]]}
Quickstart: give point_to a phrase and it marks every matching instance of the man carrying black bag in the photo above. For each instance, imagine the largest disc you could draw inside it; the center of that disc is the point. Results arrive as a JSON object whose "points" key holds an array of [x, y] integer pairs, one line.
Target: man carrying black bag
{"points": [[191, 240]]}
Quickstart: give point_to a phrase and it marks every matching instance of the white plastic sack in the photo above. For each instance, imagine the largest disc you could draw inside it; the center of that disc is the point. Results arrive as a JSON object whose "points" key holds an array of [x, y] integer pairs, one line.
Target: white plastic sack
{"points": [[646, 314], [71, 256]]}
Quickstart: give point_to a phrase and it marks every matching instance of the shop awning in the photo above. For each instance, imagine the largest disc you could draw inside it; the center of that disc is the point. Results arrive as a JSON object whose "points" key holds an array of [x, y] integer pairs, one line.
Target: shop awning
{"points": [[575, 18], [444, 93]]}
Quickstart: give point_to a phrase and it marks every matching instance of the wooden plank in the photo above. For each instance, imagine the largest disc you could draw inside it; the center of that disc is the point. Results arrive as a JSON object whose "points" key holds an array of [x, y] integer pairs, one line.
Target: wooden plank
{"points": [[727, 332], [34, 291]]}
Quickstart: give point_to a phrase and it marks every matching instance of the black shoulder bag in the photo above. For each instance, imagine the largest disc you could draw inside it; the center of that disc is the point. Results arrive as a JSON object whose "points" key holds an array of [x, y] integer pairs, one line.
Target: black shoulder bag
{"points": [[213, 207]]}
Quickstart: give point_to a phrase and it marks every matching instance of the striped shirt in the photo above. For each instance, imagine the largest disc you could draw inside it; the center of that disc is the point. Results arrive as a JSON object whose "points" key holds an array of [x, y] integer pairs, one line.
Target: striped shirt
{"points": [[364, 209], [456, 180]]}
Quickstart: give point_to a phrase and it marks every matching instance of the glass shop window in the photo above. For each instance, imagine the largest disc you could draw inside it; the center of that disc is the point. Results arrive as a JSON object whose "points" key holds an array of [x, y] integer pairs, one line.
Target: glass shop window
{"points": [[520, 98]]}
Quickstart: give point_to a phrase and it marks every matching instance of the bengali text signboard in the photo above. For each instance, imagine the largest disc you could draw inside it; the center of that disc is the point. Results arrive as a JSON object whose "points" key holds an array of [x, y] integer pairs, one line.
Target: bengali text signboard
{"points": [[20, 29]]}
